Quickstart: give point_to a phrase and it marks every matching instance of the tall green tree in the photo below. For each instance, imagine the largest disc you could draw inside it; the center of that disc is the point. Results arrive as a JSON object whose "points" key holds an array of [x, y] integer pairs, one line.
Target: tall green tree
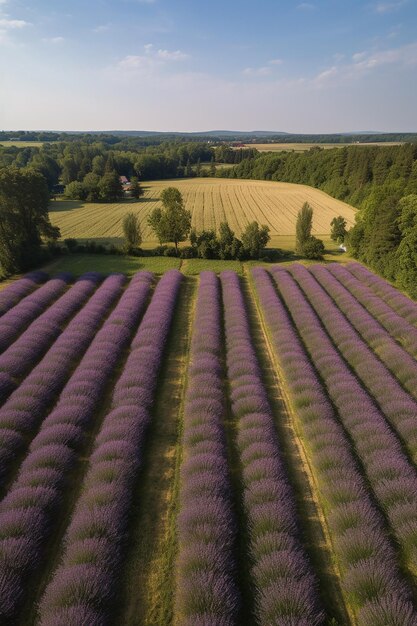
{"points": [[110, 188], [254, 239], [132, 231], [24, 218], [338, 229], [303, 227], [136, 191], [173, 221]]}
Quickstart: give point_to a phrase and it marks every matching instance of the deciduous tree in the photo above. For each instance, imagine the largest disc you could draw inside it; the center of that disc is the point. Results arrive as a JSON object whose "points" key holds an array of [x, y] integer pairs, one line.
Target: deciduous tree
{"points": [[338, 229], [24, 219], [254, 239], [132, 231], [173, 221], [303, 227]]}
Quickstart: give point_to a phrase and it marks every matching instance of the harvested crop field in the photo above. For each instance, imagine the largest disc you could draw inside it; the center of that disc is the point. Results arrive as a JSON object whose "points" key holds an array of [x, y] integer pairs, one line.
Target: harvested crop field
{"points": [[183, 450], [211, 202]]}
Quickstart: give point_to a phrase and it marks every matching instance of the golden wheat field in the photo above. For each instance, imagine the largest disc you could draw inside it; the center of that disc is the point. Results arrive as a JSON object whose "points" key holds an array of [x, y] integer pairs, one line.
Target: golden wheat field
{"points": [[211, 201]]}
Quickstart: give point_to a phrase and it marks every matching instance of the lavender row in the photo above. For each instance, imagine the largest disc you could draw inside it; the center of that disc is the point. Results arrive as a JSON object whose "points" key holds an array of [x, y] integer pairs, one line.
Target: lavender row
{"points": [[20, 316], [394, 357], [397, 406], [370, 579], [399, 328], [29, 511], [206, 591], [26, 351], [392, 478], [394, 298], [11, 295], [85, 584], [24, 410], [286, 589]]}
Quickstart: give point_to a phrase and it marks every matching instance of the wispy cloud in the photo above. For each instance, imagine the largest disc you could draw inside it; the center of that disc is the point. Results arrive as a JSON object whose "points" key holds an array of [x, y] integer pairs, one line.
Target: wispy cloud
{"points": [[306, 6], [101, 28], [151, 59], [7, 25], [263, 70], [389, 7], [257, 71], [53, 40], [367, 61]]}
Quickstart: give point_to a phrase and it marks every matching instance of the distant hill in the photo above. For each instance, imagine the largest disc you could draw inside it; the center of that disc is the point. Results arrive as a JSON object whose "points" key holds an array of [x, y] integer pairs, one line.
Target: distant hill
{"points": [[148, 137]]}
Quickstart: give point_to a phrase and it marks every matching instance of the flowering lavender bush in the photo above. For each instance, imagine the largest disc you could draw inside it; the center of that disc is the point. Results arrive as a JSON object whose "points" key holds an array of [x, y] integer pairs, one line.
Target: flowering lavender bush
{"points": [[398, 327], [394, 298], [12, 294], [25, 352], [285, 587], [343, 491], [20, 316], [26, 407], [397, 405], [206, 590], [393, 356], [84, 585], [43, 476]]}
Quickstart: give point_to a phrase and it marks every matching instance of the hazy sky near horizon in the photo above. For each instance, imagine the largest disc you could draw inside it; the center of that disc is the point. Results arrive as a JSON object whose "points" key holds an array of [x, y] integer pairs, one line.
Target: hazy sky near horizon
{"points": [[187, 65]]}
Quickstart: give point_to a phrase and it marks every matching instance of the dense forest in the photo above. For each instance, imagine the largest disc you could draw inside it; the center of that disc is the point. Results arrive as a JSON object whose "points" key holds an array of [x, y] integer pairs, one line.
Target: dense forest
{"points": [[381, 181], [78, 162]]}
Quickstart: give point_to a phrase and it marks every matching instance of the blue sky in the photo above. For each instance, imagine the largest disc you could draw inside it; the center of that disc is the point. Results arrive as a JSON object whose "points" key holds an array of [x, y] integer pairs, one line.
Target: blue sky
{"points": [[312, 67]]}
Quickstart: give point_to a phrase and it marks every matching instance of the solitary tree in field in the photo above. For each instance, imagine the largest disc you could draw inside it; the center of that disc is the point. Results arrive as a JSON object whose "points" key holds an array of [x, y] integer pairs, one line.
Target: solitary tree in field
{"points": [[136, 190], [173, 221], [303, 227], [132, 231], [307, 245], [254, 239], [338, 229]]}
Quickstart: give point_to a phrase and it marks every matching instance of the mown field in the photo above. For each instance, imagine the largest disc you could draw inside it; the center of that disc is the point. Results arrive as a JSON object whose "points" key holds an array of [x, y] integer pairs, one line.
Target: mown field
{"points": [[210, 201], [303, 147], [203, 449], [21, 144]]}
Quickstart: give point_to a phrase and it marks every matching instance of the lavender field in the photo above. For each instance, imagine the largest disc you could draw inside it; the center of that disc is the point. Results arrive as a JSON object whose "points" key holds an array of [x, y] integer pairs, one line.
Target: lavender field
{"points": [[208, 450]]}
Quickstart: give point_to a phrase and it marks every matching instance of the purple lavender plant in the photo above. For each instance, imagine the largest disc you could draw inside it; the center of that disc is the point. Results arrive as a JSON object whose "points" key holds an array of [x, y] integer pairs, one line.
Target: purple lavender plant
{"points": [[84, 585]]}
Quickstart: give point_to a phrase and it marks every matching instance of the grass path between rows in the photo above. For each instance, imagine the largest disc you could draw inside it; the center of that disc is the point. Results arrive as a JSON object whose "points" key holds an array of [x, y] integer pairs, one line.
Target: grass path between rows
{"points": [[311, 515], [149, 582]]}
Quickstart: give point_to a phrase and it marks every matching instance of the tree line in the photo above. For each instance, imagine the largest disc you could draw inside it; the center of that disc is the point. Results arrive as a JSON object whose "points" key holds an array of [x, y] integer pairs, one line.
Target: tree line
{"points": [[136, 138], [85, 170], [381, 181], [172, 223]]}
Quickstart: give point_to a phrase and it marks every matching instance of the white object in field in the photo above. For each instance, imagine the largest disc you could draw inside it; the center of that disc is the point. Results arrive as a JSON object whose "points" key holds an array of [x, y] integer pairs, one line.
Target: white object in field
{"points": [[342, 248]]}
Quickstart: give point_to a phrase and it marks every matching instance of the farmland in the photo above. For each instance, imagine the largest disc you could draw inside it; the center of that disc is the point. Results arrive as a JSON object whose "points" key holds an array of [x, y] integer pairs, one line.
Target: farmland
{"points": [[303, 147], [210, 201], [233, 449]]}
